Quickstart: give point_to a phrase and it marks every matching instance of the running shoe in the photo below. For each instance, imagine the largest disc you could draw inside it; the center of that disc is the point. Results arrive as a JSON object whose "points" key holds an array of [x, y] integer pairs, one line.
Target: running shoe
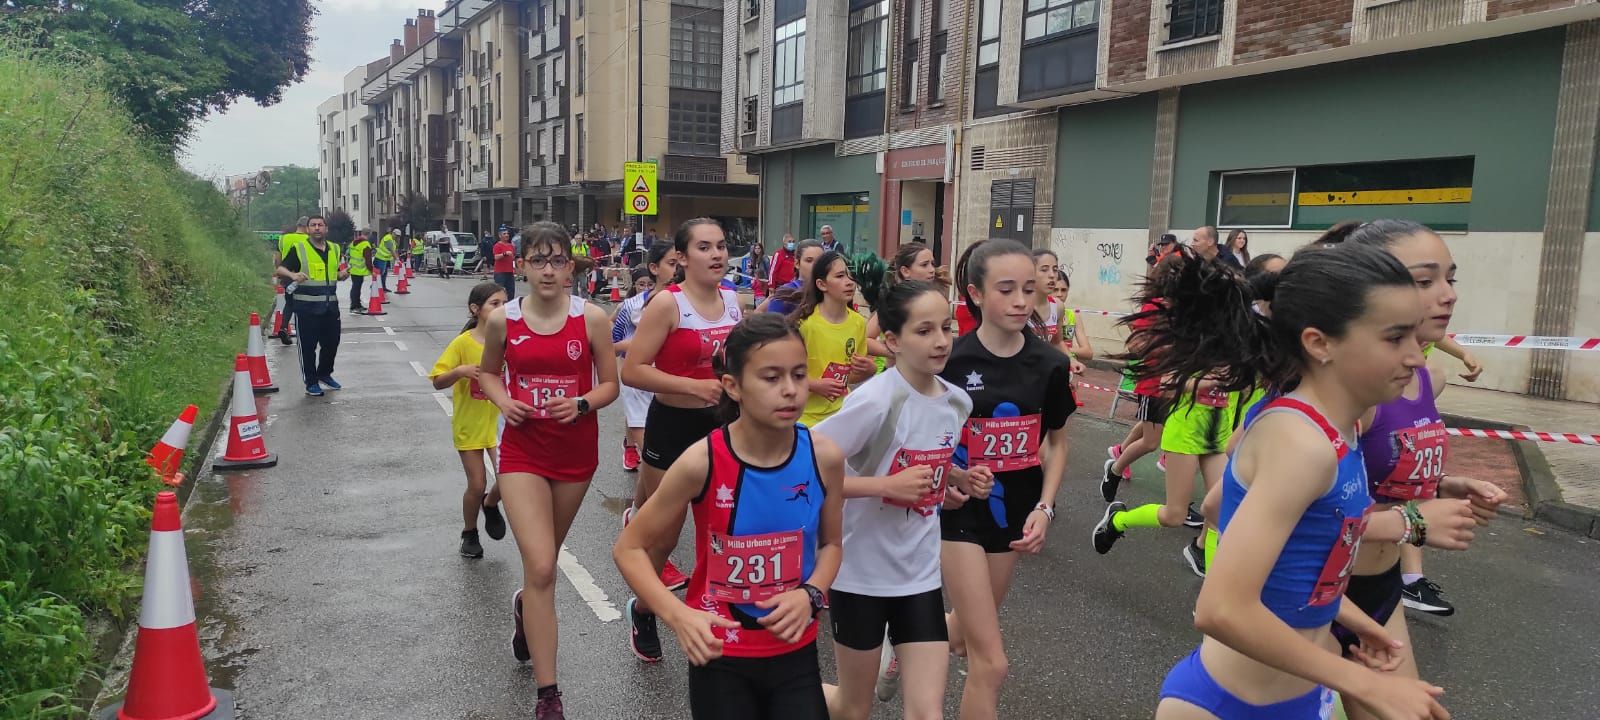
{"points": [[1106, 534], [330, 383], [519, 640], [1426, 596], [630, 458], [643, 638], [493, 522], [1109, 481], [1161, 462], [470, 548], [313, 389], [673, 578], [548, 707], [283, 337], [1195, 558], [888, 684], [1193, 519], [1115, 451]]}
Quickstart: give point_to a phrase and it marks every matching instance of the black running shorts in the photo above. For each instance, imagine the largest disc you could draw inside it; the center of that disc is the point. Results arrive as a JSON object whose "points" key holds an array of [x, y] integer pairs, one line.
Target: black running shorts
{"points": [[668, 431], [1152, 410], [782, 687], [859, 620]]}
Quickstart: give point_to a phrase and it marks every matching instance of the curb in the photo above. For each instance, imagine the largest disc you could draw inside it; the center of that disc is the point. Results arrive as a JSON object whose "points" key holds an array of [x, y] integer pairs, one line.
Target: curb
{"points": [[113, 675]]}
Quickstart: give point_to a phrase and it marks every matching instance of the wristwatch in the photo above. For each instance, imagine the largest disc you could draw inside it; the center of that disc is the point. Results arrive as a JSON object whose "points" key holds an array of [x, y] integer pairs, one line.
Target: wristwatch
{"points": [[1048, 511], [583, 406], [819, 601]]}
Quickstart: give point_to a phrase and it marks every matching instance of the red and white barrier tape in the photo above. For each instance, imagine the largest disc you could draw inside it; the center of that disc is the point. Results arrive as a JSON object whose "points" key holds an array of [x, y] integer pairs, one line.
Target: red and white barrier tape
{"points": [[1100, 313], [1530, 342], [1533, 435], [1097, 387]]}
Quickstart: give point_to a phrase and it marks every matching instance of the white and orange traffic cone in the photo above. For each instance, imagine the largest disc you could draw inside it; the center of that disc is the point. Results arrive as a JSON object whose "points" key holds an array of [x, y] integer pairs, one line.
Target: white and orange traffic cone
{"points": [[168, 680], [246, 447], [404, 288], [410, 271], [260, 378], [167, 456], [375, 298]]}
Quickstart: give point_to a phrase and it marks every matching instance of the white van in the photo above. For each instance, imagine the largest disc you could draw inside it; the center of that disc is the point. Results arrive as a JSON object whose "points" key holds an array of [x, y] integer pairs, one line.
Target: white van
{"points": [[461, 243]]}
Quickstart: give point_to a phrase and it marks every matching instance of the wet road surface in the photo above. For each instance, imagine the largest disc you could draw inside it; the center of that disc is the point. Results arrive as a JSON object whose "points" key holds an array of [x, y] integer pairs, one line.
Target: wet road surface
{"points": [[329, 586]]}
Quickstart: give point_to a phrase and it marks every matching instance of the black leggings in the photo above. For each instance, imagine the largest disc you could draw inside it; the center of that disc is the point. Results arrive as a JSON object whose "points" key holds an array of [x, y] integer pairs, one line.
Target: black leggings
{"points": [[782, 687]]}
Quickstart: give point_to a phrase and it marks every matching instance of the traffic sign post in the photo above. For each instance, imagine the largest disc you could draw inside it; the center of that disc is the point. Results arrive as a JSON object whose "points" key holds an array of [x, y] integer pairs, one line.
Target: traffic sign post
{"points": [[640, 180]]}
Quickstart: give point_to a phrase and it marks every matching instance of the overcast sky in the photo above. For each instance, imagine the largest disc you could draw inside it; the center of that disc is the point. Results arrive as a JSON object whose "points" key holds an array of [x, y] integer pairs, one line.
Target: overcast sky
{"points": [[345, 33]]}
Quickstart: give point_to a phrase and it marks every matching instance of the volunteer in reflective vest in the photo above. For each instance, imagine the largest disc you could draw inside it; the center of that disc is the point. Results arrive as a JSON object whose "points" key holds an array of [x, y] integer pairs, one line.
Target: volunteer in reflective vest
{"points": [[360, 268], [384, 259], [313, 267], [417, 249], [286, 241]]}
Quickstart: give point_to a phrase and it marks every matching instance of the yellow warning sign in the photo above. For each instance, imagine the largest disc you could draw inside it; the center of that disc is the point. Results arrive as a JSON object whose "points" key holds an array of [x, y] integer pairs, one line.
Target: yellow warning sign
{"points": [[640, 179], [999, 222]]}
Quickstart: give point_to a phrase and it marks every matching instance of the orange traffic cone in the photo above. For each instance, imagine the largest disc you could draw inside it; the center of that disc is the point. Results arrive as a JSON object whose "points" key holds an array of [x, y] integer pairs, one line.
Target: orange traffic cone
{"points": [[616, 293], [379, 290], [260, 378], [168, 680], [167, 456], [411, 272], [246, 448], [280, 328], [404, 288], [375, 298]]}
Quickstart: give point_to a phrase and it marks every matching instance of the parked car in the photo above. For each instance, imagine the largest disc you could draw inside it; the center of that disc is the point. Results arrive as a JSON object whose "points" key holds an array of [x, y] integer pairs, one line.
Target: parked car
{"points": [[460, 243]]}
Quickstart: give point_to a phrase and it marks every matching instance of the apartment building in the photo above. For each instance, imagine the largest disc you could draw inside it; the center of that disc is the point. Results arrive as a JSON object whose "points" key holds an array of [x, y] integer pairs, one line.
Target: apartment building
{"points": [[343, 164], [412, 124], [489, 97], [1282, 117], [543, 138]]}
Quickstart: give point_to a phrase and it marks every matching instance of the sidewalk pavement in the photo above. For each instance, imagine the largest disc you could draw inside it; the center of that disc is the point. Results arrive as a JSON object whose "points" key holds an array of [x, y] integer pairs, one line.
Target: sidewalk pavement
{"points": [[1555, 482]]}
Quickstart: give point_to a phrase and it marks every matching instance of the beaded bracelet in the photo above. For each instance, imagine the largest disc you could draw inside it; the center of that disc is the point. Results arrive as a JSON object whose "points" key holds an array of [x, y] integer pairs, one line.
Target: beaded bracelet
{"points": [[1418, 523], [1405, 537]]}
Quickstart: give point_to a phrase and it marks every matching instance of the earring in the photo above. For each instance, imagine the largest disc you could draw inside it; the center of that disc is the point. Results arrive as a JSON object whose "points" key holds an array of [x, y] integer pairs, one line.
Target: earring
{"points": [[1325, 361]]}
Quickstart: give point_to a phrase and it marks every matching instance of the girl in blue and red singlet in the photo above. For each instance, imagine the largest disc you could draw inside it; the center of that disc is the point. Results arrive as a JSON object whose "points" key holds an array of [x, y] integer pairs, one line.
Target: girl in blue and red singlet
{"points": [[681, 330], [768, 501], [541, 358], [1341, 339]]}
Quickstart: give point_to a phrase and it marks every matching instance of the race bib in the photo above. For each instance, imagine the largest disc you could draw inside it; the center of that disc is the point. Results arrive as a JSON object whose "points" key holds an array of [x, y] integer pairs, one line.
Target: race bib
{"points": [[1003, 444], [711, 342], [1213, 398], [837, 371], [539, 390], [939, 460], [475, 391], [1051, 332], [751, 568], [1420, 465], [1335, 573]]}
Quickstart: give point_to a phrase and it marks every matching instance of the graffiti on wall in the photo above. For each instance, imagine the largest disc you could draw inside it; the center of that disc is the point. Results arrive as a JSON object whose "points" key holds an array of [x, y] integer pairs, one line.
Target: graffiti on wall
{"points": [[1110, 271]]}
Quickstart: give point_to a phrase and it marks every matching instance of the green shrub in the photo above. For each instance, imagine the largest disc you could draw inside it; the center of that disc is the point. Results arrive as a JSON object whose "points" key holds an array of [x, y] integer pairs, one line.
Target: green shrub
{"points": [[124, 286]]}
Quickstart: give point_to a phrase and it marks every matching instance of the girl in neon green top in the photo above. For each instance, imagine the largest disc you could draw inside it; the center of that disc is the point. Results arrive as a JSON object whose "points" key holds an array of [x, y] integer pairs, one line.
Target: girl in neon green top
{"points": [[474, 420], [835, 337]]}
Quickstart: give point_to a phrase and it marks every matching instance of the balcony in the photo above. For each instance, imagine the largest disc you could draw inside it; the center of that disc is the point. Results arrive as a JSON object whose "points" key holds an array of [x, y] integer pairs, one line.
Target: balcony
{"points": [[536, 174], [478, 179]]}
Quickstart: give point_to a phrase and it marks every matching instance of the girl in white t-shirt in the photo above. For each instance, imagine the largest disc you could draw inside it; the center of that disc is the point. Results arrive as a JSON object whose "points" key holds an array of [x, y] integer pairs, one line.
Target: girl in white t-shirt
{"points": [[898, 431]]}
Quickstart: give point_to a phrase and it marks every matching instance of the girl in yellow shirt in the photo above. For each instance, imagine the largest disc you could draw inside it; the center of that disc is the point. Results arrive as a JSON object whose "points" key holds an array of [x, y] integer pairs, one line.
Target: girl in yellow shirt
{"points": [[474, 420], [835, 337]]}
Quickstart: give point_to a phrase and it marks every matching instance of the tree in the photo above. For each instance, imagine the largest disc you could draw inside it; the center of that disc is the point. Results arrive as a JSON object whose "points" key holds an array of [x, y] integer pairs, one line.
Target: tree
{"points": [[292, 193], [341, 229], [417, 211], [173, 62]]}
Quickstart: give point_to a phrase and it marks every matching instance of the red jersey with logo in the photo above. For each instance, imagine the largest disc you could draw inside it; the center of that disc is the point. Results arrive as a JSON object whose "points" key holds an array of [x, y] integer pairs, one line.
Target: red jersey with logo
{"points": [[755, 537], [688, 349], [539, 369]]}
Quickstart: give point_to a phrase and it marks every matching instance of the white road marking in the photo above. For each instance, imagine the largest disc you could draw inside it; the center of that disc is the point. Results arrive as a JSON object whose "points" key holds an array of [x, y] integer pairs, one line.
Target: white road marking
{"points": [[444, 402], [380, 318], [398, 345], [388, 330], [584, 583], [418, 367]]}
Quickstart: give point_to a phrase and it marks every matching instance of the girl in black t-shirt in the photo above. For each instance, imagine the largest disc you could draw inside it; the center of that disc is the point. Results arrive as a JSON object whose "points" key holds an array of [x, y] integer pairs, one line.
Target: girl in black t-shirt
{"points": [[1016, 431]]}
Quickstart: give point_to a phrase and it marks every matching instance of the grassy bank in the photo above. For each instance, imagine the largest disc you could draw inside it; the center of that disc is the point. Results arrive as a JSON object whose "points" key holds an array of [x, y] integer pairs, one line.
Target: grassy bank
{"points": [[124, 286]]}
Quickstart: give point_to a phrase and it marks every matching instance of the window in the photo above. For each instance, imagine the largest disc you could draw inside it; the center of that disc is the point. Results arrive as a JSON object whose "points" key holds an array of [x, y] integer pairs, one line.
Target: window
{"points": [[909, 69], [938, 54], [1043, 19], [694, 124], [538, 148], [1190, 19], [355, 167], [986, 79], [355, 202], [867, 64], [581, 142], [752, 8], [696, 53], [538, 80], [847, 214], [580, 8], [1436, 192], [788, 63], [583, 64]]}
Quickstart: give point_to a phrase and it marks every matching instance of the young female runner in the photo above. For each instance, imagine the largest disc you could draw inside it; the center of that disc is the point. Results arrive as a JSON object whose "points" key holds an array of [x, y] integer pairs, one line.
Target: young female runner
{"points": [[1021, 397], [898, 432], [912, 261], [1403, 441], [555, 351], [473, 419], [835, 337], [1341, 340], [1076, 341], [661, 266], [1145, 436], [683, 327], [767, 496]]}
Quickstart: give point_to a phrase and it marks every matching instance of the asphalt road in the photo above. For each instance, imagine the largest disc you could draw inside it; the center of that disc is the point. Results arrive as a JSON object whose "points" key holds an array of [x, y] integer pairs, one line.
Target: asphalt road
{"points": [[329, 586]]}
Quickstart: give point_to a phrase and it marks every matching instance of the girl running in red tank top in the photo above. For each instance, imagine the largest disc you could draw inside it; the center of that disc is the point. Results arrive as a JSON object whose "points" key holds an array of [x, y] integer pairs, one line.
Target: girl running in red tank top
{"points": [[541, 360]]}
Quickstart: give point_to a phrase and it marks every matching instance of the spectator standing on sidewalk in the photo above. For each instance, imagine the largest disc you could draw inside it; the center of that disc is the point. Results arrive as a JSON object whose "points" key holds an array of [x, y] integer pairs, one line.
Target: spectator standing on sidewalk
{"points": [[360, 269], [505, 271], [313, 267], [782, 272]]}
